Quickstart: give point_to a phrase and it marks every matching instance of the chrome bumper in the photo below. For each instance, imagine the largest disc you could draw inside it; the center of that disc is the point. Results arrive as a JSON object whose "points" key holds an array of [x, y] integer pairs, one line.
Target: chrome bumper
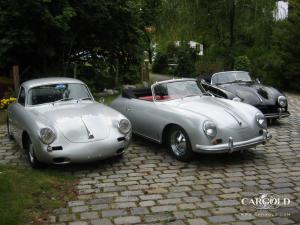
{"points": [[82, 152], [277, 115], [232, 146]]}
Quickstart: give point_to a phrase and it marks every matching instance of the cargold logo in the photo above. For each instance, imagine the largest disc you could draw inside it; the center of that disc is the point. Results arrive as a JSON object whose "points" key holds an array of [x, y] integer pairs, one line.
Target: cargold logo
{"points": [[266, 201]]}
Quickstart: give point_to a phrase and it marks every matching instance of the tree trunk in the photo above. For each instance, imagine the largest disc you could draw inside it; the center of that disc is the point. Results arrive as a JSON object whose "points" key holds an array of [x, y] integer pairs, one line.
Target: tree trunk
{"points": [[117, 78], [16, 77], [232, 23], [232, 32]]}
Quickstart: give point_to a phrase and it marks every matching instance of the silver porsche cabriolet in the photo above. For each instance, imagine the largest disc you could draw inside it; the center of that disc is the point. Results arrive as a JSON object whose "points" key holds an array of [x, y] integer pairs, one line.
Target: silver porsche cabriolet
{"points": [[179, 113], [56, 120]]}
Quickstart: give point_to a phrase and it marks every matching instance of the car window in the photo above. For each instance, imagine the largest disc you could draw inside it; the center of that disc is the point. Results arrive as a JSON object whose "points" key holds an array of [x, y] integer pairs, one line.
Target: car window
{"points": [[56, 92], [228, 77], [175, 90], [21, 98]]}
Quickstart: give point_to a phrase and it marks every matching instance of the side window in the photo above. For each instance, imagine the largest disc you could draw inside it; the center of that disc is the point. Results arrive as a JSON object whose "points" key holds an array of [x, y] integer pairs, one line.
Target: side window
{"points": [[21, 98]]}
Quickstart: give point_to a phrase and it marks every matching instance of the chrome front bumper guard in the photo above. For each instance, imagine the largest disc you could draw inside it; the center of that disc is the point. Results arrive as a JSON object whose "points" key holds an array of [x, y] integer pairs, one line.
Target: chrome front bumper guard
{"points": [[277, 115], [281, 113], [232, 146]]}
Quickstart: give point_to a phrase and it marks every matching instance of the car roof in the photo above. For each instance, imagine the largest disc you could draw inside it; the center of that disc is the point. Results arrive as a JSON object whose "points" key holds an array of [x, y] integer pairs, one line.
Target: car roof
{"points": [[50, 80]]}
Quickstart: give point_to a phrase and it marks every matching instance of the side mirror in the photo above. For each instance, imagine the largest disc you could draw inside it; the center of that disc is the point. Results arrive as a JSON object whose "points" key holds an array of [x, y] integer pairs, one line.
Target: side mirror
{"points": [[102, 100], [257, 80]]}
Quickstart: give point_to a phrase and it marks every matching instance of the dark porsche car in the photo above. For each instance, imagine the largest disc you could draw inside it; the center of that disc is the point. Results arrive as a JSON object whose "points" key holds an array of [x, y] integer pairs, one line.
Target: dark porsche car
{"points": [[239, 86]]}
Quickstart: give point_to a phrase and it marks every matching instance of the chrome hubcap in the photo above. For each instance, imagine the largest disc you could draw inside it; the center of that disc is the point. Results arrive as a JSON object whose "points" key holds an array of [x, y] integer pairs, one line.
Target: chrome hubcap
{"points": [[31, 154], [178, 143]]}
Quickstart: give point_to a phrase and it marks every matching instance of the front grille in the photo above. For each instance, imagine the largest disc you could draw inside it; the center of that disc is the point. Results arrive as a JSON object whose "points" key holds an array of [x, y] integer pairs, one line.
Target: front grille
{"points": [[57, 148], [121, 139]]}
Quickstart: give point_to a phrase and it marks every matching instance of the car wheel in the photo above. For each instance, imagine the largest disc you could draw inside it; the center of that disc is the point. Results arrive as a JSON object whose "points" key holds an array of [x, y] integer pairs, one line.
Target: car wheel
{"points": [[33, 161], [179, 144], [10, 136]]}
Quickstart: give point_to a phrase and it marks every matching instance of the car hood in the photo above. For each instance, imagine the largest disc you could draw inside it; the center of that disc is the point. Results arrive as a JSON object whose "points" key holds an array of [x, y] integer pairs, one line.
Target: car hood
{"points": [[253, 93], [225, 113], [81, 122]]}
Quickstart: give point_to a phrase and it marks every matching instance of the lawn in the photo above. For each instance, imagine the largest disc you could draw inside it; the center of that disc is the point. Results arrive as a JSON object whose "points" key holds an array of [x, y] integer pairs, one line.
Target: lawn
{"points": [[27, 195], [108, 99]]}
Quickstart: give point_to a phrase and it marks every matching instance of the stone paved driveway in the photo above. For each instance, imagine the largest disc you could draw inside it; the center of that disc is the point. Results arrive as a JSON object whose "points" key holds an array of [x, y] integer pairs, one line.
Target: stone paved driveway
{"points": [[147, 186]]}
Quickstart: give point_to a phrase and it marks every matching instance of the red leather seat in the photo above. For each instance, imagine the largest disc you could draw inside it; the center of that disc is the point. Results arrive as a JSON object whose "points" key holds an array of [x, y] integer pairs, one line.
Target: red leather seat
{"points": [[158, 98], [146, 98]]}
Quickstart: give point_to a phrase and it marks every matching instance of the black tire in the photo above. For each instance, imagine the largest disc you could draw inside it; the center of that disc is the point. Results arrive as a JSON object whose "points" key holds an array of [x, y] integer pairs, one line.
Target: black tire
{"points": [[10, 136], [179, 144], [30, 155]]}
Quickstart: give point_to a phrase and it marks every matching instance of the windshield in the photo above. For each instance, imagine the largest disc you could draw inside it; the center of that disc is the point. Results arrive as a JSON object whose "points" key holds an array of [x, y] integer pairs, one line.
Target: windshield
{"points": [[175, 90], [228, 77], [56, 92]]}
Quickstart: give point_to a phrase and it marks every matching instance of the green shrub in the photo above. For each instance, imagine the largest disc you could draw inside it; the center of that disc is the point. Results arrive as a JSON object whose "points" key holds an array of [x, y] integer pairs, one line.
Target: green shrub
{"points": [[186, 63], [242, 63], [160, 64]]}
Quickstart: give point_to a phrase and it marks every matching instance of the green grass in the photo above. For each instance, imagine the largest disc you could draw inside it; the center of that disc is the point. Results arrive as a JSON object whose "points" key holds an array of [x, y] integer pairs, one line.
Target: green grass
{"points": [[27, 195], [107, 99], [110, 98]]}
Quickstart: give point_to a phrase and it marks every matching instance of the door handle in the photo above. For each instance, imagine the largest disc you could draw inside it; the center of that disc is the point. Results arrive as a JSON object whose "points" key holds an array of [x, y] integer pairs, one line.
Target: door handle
{"points": [[129, 109]]}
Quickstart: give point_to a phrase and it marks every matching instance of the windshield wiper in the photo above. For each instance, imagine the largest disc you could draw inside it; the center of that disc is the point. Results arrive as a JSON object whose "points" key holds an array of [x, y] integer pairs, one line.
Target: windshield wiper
{"points": [[63, 100]]}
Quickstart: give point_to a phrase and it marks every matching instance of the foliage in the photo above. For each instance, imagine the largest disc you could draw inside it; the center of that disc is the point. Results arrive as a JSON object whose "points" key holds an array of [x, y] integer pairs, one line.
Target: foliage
{"points": [[25, 191], [287, 48], [242, 63], [150, 10], [160, 64], [4, 103], [48, 37], [227, 29], [186, 62]]}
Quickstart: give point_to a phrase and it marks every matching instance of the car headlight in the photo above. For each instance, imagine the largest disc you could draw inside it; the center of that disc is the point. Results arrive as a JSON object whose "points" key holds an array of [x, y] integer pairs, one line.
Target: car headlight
{"points": [[237, 99], [282, 101], [210, 129], [47, 136], [260, 119], [124, 126]]}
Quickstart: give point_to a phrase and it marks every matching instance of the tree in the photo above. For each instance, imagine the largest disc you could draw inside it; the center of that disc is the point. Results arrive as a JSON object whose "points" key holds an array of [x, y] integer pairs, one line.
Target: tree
{"points": [[49, 36], [227, 28], [32, 32], [150, 10], [290, 48]]}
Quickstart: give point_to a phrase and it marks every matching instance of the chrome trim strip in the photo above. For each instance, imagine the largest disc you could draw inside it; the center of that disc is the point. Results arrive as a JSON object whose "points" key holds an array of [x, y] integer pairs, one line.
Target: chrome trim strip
{"points": [[90, 135], [234, 116]]}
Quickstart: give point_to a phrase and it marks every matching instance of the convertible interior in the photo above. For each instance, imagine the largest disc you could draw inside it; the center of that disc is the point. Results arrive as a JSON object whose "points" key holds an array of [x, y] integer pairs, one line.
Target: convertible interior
{"points": [[142, 94]]}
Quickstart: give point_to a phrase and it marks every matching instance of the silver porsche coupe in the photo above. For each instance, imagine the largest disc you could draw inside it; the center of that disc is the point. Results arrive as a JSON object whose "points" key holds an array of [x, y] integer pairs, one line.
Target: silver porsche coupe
{"points": [[181, 114], [56, 120]]}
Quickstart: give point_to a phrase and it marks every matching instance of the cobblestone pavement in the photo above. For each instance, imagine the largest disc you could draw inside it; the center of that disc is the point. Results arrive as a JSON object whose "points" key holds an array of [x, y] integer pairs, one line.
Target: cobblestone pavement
{"points": [[148, 186]]}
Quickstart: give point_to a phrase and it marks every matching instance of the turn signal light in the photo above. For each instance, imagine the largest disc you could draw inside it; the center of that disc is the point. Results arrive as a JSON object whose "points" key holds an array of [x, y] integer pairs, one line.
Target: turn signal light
{"points": [[217, 141]]}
